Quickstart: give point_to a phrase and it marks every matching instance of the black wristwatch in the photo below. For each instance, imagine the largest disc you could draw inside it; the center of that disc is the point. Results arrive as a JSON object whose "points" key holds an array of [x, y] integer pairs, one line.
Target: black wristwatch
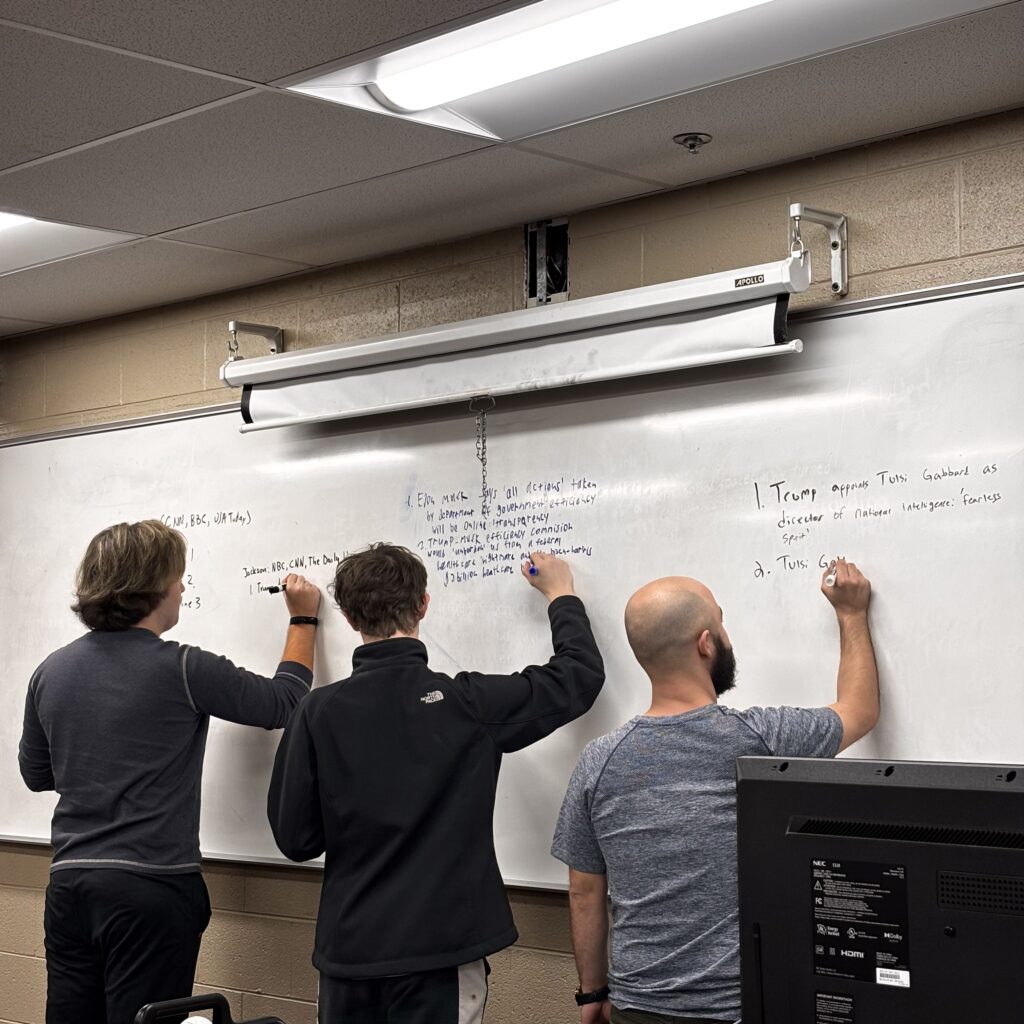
{"points": [[599, 995], [303, 620]]}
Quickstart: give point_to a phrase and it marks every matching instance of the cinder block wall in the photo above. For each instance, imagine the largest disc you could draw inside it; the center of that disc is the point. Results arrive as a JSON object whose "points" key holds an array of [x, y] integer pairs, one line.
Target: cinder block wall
{"points": [[936, 207]]}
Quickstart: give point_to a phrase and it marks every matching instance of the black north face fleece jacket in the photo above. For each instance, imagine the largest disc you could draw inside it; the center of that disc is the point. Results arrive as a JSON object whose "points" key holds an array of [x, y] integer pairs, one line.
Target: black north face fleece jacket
{"points": [[393, 773]]}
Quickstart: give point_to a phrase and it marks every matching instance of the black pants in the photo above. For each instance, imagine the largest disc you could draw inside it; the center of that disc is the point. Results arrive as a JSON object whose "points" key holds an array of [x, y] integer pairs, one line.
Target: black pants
{"points": [[451, 995], [116, 940]]}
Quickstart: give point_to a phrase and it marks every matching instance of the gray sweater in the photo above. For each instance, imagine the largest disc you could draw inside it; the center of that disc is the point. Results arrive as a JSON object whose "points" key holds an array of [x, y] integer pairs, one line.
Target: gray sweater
{"points": [[116, 723]]}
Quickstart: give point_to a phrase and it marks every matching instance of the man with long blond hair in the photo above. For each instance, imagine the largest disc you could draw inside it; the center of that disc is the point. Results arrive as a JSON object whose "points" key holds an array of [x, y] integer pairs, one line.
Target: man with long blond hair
{"points": [[116, 723]]}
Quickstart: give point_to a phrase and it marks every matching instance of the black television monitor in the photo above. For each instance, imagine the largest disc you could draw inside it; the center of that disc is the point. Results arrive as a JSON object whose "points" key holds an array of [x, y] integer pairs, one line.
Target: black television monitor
{"points": [[880, 892]]}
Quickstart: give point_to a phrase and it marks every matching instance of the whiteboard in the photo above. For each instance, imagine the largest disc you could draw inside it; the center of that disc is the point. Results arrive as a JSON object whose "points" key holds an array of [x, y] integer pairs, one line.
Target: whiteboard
{"points": [[895, 440]]}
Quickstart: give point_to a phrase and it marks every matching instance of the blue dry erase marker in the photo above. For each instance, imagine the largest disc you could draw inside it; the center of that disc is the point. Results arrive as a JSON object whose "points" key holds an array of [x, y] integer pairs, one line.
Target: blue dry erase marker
{"points": [[533, 570]]}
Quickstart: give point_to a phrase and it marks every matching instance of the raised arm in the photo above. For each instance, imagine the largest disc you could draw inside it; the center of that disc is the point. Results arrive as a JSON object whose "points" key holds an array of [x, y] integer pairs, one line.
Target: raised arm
{"points": [[217, 687], [301, 598], [520, 709], [857, 701]]}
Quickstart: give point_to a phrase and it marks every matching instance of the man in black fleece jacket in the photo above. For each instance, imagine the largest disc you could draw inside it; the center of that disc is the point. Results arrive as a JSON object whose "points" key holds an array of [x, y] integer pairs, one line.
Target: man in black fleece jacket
{"points": [[393, 773]]}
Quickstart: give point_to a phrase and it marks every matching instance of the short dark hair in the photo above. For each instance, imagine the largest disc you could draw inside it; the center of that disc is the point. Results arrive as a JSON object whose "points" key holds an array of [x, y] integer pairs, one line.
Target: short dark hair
{"points": [[381, 589], [125, 573]]}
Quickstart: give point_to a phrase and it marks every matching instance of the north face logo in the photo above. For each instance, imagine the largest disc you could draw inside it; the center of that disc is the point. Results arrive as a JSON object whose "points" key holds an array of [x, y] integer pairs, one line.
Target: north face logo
{"points": [[432, 698]]}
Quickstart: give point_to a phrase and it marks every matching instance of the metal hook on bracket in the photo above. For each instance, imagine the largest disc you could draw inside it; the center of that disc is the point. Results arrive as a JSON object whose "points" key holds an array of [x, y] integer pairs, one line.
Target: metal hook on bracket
{"points": [[274, 335], [835, 225]]}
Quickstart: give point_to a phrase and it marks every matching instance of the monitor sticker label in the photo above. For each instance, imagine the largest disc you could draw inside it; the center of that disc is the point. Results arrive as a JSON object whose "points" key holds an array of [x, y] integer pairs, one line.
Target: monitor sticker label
{"points": [[832, 1008], [860, 921]]}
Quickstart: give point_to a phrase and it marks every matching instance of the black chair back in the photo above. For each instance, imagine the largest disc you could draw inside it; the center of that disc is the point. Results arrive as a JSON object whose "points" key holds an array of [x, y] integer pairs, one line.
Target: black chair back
{"points": [[173, 1011]]}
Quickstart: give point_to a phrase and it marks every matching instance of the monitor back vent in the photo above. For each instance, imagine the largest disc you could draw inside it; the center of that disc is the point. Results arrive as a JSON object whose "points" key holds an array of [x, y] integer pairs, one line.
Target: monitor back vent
{"points": [[895, 832], [993, 894]]}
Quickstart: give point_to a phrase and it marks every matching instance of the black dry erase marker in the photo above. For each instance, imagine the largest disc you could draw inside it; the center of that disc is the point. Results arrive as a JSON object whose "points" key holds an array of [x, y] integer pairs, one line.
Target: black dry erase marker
{"points": [[276, 590]]}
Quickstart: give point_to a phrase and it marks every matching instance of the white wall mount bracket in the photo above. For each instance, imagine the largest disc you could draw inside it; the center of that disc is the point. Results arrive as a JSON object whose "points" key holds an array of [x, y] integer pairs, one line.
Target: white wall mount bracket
{"points": [[835, 225], [274, 336]]}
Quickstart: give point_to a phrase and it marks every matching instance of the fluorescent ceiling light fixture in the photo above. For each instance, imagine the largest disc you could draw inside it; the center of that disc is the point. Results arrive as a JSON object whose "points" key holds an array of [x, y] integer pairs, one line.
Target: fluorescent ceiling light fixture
{"points": [[13, 220], [555, 63], [436, 72], [27, 242]]}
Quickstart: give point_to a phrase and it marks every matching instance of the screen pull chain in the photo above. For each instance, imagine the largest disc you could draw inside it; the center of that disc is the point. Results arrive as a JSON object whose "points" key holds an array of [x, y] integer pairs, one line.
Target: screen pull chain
{"points": [[482, 405]]}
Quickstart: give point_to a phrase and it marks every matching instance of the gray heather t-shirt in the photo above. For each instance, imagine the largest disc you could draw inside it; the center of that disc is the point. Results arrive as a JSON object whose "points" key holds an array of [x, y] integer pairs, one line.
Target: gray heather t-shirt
{"points": [[653, 806]]}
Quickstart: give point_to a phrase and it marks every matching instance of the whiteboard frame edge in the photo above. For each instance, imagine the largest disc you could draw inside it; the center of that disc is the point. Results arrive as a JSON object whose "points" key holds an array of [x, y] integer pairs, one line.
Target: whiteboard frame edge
{"points": [[318, 865], [24, 840], [280, 862], [194, 413], [916, 297]]}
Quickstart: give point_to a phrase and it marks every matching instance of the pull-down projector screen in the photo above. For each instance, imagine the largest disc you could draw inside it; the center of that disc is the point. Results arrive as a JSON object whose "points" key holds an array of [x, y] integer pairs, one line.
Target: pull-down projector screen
{"points": [[718, 318]]}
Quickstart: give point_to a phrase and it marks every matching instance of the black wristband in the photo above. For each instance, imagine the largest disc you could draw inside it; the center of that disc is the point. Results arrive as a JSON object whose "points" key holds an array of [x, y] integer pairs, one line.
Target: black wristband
{"points": [[599, 995], [303, 620]]}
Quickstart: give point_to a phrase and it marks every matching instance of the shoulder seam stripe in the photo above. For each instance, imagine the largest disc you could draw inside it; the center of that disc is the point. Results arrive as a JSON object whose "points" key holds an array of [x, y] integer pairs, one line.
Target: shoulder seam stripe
{"points": [[736, 717], [611, 754], [184, 678]]}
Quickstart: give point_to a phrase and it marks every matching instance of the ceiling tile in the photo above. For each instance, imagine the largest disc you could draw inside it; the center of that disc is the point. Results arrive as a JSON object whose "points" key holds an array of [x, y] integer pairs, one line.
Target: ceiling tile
{"points": [[262, 148], [259, 41], [887, 87], [66, 94], [463, 196], [148, 273], [35, 242]]}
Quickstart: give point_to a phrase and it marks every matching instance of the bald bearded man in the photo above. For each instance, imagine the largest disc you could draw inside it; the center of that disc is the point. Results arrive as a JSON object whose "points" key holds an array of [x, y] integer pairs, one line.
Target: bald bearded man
{"points": [[650, 813]]}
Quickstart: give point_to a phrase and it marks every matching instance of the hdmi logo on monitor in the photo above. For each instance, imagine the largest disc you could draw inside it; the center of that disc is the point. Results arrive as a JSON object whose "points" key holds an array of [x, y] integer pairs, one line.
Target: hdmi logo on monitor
{"points": [[742, 282]]}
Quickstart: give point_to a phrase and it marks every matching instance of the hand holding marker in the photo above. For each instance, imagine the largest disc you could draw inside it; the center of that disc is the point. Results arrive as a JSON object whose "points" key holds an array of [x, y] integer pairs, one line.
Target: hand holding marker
{"points": [[847, 589], [301, 596], [548, 574]]}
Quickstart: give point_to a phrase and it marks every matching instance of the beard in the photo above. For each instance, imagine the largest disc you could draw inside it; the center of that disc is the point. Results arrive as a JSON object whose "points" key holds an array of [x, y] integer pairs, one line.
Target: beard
{"points": [[723, 668]]}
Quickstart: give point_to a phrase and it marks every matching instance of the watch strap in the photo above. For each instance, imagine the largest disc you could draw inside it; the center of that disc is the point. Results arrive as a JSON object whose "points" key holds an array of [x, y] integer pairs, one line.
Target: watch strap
{"points": [[599, 995]]}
